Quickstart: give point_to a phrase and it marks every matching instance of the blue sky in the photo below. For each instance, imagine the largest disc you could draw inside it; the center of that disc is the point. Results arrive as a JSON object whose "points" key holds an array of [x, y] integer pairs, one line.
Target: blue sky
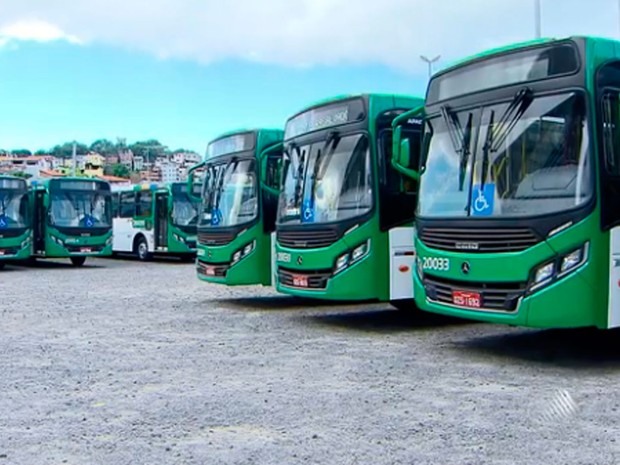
{"points": [[184, 71]]}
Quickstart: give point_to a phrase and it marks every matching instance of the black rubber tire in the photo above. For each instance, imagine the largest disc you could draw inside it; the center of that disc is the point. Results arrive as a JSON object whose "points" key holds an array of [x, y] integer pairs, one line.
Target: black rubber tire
{"points": [[78, 261], [2, 265], [142, 250]]}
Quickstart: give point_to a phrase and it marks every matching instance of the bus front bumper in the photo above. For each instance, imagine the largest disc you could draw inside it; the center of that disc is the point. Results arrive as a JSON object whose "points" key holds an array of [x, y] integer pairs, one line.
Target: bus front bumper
{"points": [[567, 303]]}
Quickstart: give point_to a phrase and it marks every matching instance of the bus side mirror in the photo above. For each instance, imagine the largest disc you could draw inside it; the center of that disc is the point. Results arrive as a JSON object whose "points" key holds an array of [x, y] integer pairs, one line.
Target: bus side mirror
{"points": [[191, 182], [271, 169], [404, 153]]}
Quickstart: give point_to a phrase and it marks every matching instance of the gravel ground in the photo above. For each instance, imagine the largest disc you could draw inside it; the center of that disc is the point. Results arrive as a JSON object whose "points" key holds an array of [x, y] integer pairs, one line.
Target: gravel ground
{"points": [[129, 363]]}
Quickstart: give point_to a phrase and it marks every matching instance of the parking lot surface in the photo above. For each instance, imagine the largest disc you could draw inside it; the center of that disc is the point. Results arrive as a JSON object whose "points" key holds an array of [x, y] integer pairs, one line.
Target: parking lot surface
{"points": [[122, 362]]}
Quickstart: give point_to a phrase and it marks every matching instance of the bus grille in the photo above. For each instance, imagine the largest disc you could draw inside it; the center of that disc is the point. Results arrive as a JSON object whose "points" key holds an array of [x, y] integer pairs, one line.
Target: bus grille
{"points": [[215, 238], [316, 279], [218, 270], [8, 252], [478, 240], [307, 239], [495, 296]]}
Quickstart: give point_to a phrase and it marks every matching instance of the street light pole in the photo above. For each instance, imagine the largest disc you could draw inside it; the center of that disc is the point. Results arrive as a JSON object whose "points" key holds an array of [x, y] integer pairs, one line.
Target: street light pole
{"points": [[430, 62], [538, 18]]}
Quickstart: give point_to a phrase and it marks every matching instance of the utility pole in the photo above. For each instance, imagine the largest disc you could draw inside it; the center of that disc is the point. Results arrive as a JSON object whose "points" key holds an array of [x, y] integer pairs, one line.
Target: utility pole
{"points": [[74, 156], [538, 18], [430, 62]]}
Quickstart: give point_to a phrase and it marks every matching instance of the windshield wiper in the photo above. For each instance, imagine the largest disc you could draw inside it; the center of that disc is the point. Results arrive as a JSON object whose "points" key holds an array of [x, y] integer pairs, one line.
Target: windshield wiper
{"points": [[217, 194], [461, 139], [496, 138], [296, 152]]}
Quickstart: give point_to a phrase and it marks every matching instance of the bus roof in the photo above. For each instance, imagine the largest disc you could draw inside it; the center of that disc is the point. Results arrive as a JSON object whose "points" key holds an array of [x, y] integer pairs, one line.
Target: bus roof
{"points": [[339, 98], [243, 131], [517, 46]]}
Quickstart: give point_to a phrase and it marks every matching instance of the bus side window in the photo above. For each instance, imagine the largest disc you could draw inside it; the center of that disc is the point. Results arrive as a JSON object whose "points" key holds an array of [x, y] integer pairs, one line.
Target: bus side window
{"points": [[127, 205], [144, 204]]}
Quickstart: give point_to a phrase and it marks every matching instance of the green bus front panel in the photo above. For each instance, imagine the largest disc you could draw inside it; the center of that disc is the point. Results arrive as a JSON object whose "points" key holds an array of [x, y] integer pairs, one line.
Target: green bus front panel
{"points": [[16, 248], [311, 272], [577, 299], [59, 245], [214, 263], [181, 242]]}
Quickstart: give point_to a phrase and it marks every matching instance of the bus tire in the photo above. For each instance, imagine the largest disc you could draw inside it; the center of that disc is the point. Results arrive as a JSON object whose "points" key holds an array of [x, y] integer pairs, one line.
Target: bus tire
{"points": [[2, 265], [78, 261], [142, 249]]}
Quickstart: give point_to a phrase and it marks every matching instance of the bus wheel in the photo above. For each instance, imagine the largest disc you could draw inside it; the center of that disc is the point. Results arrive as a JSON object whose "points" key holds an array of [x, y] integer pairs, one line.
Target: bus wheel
{"points": [[142, 250], [2, 265], [78, 261]]}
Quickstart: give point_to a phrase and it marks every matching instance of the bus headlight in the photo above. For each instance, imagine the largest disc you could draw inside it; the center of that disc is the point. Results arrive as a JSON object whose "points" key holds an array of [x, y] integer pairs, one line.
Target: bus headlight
{"points": [[360, 251], [178, 238], [560, 267], [243, 252], [57, 240], [352, 257], [342, 262], [544, 274], [573, 260]]}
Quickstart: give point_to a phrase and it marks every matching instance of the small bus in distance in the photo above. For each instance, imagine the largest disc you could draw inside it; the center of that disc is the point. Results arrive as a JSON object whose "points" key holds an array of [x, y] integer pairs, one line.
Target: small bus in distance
{"points": [[15, 224], [154, 219], [71, 218]]}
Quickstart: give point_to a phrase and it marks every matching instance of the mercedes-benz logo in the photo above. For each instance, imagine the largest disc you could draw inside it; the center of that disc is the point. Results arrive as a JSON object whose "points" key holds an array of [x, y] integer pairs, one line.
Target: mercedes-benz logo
{"points": [[300, 260], [465, 267]]}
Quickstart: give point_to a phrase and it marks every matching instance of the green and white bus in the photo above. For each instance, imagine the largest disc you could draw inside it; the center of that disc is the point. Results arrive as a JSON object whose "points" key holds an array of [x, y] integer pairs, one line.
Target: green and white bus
{"points": [[155, 219], [71, 218], [15, 225], [518, 218], [345, 216], [239, 201]]}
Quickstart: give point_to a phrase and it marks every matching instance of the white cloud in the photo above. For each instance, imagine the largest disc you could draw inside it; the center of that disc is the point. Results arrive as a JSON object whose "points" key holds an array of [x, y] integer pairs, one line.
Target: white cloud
{"points": [[305, 32], [35, 31]]}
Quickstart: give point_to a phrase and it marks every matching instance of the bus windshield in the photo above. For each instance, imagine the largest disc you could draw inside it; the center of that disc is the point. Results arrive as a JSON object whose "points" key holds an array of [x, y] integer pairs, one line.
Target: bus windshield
{"points": [[13, 208], [184, 210], [528, 162], [80, 209], [326, 181], [230, 196]]}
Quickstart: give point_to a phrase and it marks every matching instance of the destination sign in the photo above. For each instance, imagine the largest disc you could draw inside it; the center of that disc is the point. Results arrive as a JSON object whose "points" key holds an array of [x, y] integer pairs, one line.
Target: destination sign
{"points": [[324, 117], [504, 70], [79, 185], [231, 144], [12, 184]]}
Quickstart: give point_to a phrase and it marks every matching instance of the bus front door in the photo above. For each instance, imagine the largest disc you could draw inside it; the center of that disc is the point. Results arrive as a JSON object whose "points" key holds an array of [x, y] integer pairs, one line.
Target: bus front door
{"points": [[161, 220]]}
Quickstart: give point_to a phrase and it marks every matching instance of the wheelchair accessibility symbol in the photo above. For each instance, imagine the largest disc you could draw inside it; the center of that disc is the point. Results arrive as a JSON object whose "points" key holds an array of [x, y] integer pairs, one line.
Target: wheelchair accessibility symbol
{"points": [[3, 222], [307, 213], [483, 200]]}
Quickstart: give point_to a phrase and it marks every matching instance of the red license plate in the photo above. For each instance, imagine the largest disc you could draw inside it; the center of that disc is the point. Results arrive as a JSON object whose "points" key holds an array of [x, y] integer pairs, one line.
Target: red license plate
{"points": [[210, 271], [467, 299], [300, 281], [86, 250]]}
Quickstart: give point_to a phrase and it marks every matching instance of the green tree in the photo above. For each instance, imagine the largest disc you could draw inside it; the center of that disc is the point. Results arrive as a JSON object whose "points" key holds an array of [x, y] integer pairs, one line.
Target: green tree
{"points": [[149, 149], [103, 147], [21, 174], [41, 152], [120, 171], [66, 150], [21, 152]]}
